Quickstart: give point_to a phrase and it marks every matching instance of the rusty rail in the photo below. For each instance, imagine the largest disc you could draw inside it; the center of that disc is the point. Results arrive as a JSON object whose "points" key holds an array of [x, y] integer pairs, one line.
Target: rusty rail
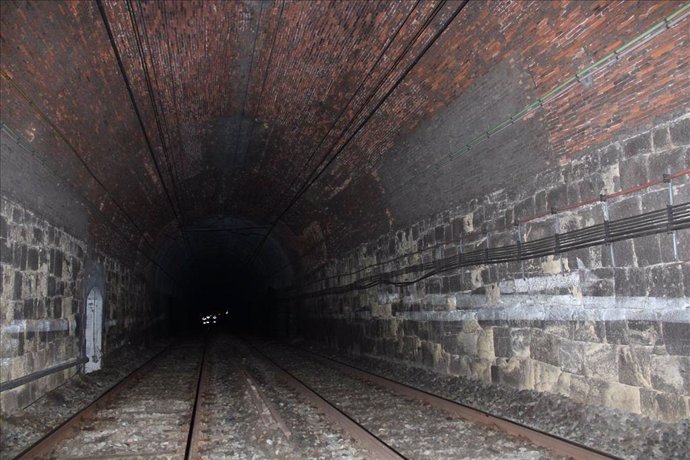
{"points": [[43, 447], [555, 444], [372, 443], [192, 448], [261, 401]]}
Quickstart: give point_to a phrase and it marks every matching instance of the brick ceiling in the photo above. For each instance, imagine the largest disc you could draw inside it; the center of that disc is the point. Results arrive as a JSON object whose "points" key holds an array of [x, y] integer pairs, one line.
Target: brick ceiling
{"points": [[166, 114]]}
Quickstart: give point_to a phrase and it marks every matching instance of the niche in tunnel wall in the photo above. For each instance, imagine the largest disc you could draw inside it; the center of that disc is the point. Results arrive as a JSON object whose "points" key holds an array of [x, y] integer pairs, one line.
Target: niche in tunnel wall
{"points": [[45, 275], [41, 267], [603, 325]]}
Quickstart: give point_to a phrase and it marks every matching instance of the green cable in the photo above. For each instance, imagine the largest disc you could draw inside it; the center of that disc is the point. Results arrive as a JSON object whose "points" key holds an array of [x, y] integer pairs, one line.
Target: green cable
{"points": [[578, 75]]}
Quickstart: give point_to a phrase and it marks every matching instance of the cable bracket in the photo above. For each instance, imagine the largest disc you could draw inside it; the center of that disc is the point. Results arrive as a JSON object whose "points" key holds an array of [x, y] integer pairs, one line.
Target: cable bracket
{"points": [[670, 219]]}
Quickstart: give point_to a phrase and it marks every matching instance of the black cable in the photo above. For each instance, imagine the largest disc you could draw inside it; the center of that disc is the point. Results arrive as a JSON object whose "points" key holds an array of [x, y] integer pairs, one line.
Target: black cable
{"points": [[121, 66], [85, 201], [76, 153], [246, 91], [371, 95], [266, 70], [355, 93], [672, 218], [360, 126], [171, 166]]}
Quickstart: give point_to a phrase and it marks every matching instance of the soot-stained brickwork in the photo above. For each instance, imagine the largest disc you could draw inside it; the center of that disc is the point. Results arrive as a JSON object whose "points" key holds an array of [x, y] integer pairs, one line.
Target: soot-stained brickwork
{"points": [[325, 122], [603, 325], [42, 269], [298, 80]]}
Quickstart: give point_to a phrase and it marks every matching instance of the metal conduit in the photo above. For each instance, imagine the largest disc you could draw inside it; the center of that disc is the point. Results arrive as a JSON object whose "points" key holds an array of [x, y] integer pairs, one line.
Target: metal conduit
{"points": [[4, 386]]}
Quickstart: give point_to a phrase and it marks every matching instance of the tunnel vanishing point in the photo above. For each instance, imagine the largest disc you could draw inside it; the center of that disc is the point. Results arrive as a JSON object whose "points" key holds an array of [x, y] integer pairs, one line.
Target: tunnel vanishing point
{"points": [[491, 193]]}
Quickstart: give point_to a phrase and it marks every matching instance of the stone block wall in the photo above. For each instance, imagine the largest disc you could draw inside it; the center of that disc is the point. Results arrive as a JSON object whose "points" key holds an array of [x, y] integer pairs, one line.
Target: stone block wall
{"points": [[42, 272], [605, 325], [128, 308], [41, 301]]}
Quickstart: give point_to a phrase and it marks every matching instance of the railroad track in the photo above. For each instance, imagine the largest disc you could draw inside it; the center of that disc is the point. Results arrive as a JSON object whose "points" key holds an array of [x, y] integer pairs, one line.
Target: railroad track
{"points": [[381, 448], [193, 401], [149, 414], [198, 401]]}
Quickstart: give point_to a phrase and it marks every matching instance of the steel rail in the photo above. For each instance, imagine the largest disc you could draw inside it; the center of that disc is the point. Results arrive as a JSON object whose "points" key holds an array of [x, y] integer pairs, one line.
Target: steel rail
{"points": [[43, 447], [372, 443], [192, 447], [556, 444], [260, 401]]}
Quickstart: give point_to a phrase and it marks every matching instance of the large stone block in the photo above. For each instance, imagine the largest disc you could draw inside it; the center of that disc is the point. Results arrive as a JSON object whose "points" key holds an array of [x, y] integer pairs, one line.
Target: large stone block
{"points": [[677, 338], [485, 346], [468, 344], [672, 160], [623, 397], [634, 171], [670, 374], [630, 281], [480, 369], [545, 347], [666, 281], [623, 253], [634, 366], [17, 285], [545, 376], [431, 353], [680, 132], [667, 407], [520, 339], [460, 366], [502, 342], [559, 328], [616, 332], [647, 250], [642, 332], [471, 326], [601, 361], [661, 138], [638, 145], [579, 387], [571, 356], [589, 331], [513, 372]]}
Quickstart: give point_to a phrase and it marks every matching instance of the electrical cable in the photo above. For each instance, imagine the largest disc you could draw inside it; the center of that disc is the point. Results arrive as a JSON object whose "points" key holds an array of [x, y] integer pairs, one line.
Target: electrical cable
{"points": [[564, 238], [240, 121], [76, 153], [614, 56], [23, 144], [170, 161], [355, 117], [268, 66], [372, 93], [668, 22], [671, 218], [359, 127], [128, 86]]}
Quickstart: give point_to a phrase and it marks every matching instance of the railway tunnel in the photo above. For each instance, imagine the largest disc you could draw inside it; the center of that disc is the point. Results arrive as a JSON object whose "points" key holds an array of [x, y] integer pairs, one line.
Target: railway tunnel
{"points": [[345, 229]]}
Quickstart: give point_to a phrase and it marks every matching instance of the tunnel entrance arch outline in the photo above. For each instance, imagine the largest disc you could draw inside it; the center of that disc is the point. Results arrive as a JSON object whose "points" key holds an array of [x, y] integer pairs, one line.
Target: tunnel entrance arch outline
{"points": [[93, 330]]}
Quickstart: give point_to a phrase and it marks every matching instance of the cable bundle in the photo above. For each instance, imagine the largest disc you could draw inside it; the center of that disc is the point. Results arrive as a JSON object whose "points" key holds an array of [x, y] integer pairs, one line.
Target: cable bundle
{"points": [[669, 219]]}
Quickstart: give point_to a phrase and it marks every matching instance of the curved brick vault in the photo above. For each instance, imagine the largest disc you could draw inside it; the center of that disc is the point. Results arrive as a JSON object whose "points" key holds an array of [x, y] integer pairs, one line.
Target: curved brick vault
{"points": [[301, 139]]}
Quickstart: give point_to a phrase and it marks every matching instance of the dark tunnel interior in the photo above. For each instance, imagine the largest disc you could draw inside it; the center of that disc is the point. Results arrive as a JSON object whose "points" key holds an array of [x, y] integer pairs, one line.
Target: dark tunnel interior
{"points": [[215, 269], [484, 198]]}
